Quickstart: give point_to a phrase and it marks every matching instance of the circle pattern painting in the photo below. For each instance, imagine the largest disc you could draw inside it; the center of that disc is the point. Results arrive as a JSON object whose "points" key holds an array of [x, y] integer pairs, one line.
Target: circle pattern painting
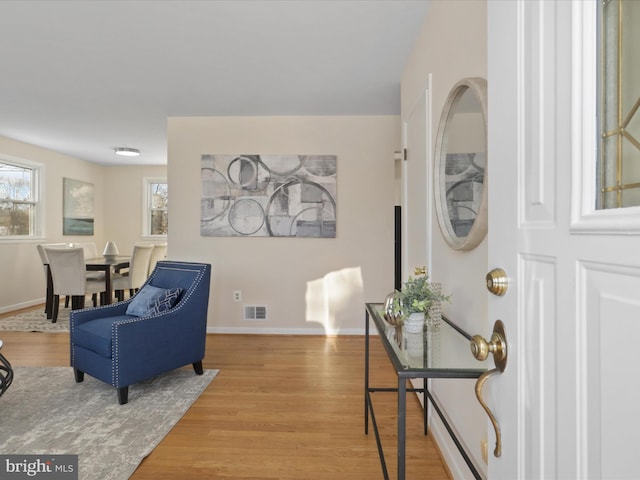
{"points": [[268, 195]]}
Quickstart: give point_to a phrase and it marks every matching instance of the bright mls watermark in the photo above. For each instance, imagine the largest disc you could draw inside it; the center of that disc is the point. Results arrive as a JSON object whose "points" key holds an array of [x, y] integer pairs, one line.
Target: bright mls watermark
{"points": [[50, 467]]}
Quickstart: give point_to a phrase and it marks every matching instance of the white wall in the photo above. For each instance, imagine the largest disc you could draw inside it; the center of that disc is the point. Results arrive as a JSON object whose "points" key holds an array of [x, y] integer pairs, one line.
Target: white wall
{"points": [[117, 208], [308, 285], [452, 46], [124, 203]]}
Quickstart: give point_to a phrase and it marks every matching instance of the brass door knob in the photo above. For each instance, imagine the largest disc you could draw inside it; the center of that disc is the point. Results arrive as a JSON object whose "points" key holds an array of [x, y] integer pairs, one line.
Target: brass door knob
{"points": [[481, 349], [497, 281]]}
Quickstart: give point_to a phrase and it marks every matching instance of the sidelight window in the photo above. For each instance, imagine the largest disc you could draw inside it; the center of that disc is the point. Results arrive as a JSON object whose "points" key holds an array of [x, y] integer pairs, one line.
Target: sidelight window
{"points": [[619, 111]]}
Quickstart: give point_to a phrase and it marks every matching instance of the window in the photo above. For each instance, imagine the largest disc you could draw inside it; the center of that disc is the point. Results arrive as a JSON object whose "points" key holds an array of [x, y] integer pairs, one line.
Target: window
{"points": [[156, 203], [620, 104], [19, 203]]}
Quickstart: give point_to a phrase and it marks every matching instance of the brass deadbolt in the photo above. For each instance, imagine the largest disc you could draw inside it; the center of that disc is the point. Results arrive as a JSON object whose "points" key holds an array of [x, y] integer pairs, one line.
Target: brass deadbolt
{"points": [[497, 281]]}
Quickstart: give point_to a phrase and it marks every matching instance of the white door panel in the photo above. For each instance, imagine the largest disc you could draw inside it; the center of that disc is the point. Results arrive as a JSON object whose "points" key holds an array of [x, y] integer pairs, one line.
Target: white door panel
{"points": [[538, 280], [611, 312]]}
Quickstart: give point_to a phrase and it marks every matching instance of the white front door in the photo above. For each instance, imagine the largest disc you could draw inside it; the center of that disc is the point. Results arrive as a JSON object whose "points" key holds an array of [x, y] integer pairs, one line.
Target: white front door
{"points": [[568, 401]]}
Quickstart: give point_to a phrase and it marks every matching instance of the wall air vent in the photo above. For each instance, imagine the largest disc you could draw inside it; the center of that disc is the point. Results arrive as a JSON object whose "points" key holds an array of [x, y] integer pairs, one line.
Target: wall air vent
{"points": [[255, 312]]}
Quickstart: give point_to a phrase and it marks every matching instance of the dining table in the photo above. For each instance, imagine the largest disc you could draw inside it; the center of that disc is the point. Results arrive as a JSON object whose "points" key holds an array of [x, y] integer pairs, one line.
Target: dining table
{"points": [[106, 264]]}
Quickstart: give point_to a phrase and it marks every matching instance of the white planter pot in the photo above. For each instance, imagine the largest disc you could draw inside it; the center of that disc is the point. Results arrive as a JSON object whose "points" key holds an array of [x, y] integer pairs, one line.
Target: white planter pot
{"points": [[414, 323]]}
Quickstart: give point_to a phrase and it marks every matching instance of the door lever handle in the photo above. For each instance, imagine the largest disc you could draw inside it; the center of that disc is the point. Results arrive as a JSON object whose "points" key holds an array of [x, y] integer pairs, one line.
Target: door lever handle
{"points": [[481, 349]]}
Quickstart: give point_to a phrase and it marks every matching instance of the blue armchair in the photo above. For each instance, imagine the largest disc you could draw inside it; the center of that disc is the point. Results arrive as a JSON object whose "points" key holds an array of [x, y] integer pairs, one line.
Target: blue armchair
{"points": [[147, 335]]}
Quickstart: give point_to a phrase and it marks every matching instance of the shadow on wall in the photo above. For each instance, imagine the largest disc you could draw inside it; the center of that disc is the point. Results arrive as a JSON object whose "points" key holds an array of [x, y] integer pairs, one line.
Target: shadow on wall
{"points": [[336, 300]]}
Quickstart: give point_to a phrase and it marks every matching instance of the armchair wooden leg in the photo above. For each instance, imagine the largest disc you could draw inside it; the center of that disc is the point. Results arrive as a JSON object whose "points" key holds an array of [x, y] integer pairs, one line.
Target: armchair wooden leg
{"points": [[197, 366], [123, 395], [79, 375]]}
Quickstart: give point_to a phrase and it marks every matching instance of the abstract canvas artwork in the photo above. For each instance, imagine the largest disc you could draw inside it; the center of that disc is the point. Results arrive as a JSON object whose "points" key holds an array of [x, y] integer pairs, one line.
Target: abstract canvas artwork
{"points": [[268, 196], [77, 207]]}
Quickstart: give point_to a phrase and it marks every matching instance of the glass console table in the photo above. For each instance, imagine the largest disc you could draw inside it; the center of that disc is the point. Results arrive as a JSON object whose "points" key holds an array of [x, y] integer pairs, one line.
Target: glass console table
{"points": [[440, 351]]}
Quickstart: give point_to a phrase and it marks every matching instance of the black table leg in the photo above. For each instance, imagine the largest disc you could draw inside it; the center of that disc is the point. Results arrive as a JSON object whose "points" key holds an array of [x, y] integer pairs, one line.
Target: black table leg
{"points": [[366, 374], [426, 405], [402, 425]]}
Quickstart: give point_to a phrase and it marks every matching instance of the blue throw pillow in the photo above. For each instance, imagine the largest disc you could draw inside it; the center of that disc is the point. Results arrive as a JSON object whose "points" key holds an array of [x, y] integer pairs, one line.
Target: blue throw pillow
{"points": [[165, 302], [144, 302]]}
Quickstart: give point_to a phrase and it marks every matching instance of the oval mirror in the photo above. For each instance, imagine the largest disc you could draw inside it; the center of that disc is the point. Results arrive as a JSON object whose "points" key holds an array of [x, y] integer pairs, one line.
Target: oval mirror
{"points": [[460, 167]]}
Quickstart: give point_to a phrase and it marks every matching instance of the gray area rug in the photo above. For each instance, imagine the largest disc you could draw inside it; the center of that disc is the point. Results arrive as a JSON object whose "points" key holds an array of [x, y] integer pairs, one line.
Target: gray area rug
{"points": [[45, 411], [36, 321]]}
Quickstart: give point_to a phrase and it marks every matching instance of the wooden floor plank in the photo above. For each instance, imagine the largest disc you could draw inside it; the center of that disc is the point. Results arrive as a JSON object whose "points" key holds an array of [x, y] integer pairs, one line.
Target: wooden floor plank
{"points": [[282, 407]]}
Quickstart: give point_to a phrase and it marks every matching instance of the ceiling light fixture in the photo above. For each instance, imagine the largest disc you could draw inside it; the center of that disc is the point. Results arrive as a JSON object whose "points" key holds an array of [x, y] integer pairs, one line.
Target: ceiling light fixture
{"points": [[127, 152]]}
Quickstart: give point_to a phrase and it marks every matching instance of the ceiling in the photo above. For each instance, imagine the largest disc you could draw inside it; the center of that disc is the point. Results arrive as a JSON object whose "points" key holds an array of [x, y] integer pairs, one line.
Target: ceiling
{"points": [[84, 77]]}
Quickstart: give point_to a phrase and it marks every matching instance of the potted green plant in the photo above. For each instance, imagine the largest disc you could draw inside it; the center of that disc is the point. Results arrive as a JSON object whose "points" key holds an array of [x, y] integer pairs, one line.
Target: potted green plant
{"points": [[417, 297]]}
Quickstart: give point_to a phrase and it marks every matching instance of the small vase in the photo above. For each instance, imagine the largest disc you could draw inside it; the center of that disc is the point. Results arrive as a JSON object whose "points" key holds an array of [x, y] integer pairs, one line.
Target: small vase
{"points": [[434, 315], [110, 250], [414, 323]]}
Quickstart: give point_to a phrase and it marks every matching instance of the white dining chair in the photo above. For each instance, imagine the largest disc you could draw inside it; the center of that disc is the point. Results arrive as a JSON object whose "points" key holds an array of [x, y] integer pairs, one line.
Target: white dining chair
{"points": [[137, 274], [159, 253], [90, 251], [48, 305], [68, 271]]}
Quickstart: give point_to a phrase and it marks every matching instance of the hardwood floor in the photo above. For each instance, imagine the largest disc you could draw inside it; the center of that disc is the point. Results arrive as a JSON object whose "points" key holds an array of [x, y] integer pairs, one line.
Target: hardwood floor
{"points": [[282, 407]]}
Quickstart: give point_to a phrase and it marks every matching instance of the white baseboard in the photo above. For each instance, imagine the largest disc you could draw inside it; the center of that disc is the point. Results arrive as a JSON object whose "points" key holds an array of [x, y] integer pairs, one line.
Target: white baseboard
{"points": [[20, 306], [452, 457], [449, 451], [255, 330], [235, 330]]}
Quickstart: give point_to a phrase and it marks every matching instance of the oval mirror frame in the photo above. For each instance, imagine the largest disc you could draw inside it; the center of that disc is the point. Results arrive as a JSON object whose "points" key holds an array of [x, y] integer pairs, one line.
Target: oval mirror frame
{"points": [[443, 186]]}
